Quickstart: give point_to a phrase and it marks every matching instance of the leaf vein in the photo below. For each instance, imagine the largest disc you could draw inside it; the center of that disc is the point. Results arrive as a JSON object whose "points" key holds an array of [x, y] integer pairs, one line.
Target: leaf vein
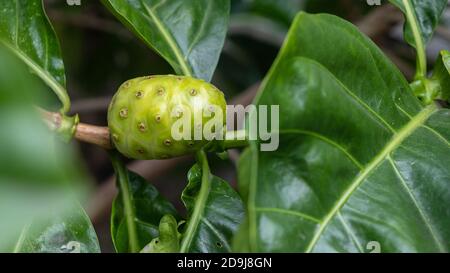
{"points": [[439, 135], [217, 233], [16, 38], [396, 140], [416, 204], [356, 98], [201, 30], [170, 41], [327, 140], [351, 233], [290, 212]]}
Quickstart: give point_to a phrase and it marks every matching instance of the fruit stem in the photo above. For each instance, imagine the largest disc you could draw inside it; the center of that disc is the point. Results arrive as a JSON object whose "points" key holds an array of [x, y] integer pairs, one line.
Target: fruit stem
{"points": [[88, 133], [235, 139], [100, 135]]}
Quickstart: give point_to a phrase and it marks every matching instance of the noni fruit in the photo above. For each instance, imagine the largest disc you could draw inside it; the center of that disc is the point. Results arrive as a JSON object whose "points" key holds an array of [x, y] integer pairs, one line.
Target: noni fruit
{"points": [[158, 117]]}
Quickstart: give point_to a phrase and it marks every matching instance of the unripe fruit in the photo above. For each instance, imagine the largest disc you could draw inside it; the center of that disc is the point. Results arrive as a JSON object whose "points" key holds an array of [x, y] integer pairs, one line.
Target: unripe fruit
{"points": [[144, 109]]}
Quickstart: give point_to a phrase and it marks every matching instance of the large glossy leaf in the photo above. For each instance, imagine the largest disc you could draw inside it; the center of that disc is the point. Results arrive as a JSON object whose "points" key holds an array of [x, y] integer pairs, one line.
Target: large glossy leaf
{"points": [[214, 212], [360, 162], [38, 211], [189, 34], [26, 31], [136, 211], [69, 231]]}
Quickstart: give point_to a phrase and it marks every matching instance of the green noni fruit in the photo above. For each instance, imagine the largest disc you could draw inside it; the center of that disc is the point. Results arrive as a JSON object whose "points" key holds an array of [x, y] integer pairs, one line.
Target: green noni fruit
{"points": [[146, 111]]}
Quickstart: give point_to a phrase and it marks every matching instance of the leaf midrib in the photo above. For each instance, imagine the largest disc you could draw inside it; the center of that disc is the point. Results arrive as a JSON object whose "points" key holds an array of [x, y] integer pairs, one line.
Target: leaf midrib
{"points": [[122, 175], [416, 204], [22, 237], [201, 30], [200, 205], [170, 41], [41, 72], [396, 140], [59, 90], [17, 24], [420, 47], [217, 233]]}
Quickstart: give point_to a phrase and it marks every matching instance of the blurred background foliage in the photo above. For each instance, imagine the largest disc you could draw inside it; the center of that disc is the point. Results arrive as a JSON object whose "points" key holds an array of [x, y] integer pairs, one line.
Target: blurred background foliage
{"points": [[99, 54], [42, 179]]}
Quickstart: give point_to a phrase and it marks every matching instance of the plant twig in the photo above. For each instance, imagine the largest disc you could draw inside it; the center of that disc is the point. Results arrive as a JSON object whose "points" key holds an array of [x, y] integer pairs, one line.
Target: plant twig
{"points": [[97, 135]]}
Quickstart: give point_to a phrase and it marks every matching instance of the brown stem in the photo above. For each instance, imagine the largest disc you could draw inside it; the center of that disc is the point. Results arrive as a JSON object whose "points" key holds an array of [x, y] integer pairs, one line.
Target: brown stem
{"points": [[97, 135]]}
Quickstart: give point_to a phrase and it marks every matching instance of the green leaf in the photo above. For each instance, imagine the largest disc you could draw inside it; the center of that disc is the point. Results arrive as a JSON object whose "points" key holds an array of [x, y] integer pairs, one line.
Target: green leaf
{"points": [[27, 32], [422, 17], [169, 237], [441, 74], [360, 160], [71, 232], [189, 34], [39, 177], [214, 211], [136, 211]]}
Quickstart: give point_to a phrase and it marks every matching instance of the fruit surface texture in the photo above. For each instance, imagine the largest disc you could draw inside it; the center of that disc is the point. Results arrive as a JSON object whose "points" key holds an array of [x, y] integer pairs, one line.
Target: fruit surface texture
{"points": [[146, 111]]}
